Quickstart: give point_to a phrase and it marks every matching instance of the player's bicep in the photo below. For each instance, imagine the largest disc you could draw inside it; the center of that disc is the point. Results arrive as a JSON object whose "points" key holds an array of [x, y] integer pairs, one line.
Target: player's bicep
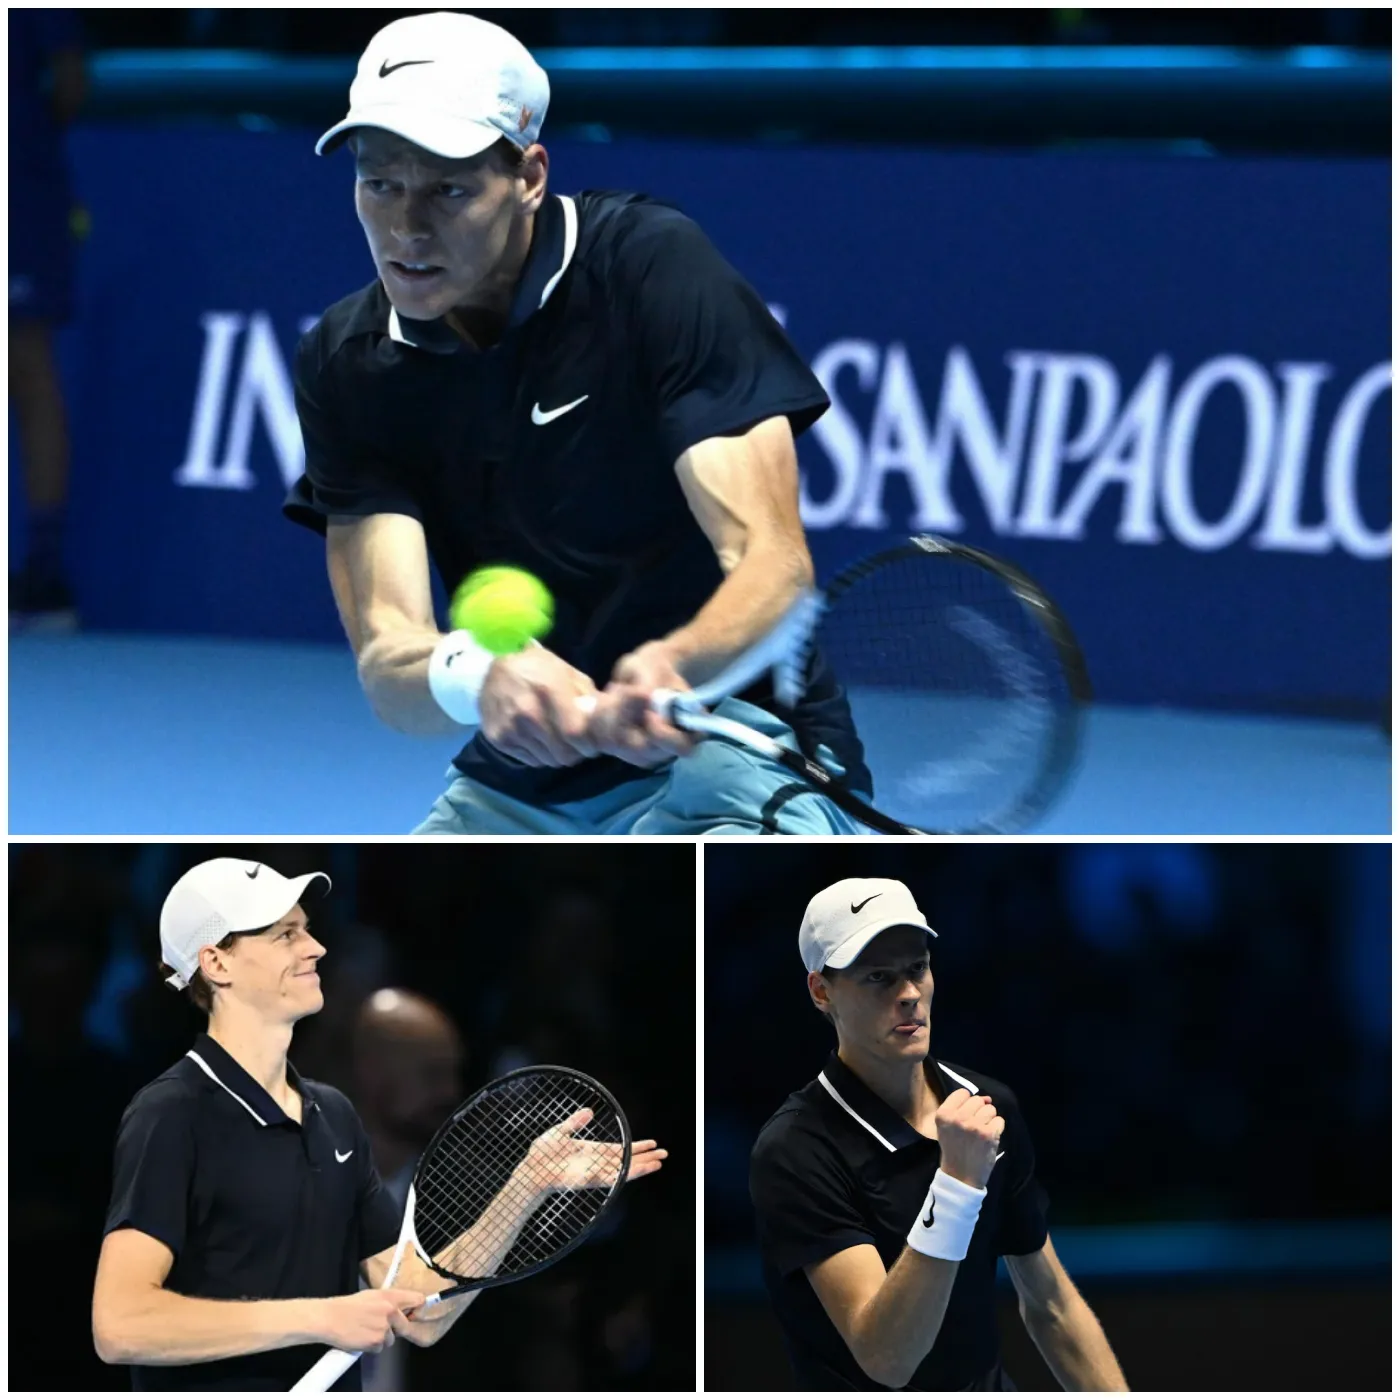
{"points": [[743, 491], [845, 1283], [380, 576], [131, 1262]]}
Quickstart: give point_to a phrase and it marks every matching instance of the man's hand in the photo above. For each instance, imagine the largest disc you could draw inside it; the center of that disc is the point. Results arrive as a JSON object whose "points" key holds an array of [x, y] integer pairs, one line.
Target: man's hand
{"points": [[368, 1320], [530, 711], [558, 1161], [624, 724], [969, 1133]]}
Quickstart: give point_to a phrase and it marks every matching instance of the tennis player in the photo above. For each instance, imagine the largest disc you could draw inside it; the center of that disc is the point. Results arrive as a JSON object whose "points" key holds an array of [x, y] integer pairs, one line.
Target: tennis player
{"points": [[887, 1188], [245, 1206], [578, 386]]}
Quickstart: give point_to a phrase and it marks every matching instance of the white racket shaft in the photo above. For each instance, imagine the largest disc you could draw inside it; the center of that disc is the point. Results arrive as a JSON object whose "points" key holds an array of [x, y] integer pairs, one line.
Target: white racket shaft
{"points": [[335, 1363], [780, 650]]}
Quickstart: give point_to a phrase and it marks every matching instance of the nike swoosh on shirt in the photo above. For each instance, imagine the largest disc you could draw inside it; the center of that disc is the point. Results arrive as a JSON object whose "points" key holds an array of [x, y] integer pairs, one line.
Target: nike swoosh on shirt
{"points": [[346, 1157], [539, 417]]}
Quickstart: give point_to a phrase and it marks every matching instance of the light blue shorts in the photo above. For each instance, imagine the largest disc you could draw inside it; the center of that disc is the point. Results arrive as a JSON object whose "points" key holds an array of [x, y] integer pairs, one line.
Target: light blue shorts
{"points": [[718, 789]]}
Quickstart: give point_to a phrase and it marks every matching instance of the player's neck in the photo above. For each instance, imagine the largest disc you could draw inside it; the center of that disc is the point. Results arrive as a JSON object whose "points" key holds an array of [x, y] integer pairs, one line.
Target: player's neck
{"points": [[258, 1048], [902, 1084], [482, 321]]}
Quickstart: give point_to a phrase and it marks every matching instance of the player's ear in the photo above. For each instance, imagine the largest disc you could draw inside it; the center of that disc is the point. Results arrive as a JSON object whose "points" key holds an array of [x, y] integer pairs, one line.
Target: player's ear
{"points": [[213, 963], [820, 992]]}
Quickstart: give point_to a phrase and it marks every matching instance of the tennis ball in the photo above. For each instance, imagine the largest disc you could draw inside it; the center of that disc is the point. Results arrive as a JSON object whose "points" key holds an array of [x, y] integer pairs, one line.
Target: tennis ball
{"points": [[502, 607]]}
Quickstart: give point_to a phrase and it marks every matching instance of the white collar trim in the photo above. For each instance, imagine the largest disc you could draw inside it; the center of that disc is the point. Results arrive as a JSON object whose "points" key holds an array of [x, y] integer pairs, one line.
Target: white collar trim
{"points": [[190, 1054], [831, 1089]]}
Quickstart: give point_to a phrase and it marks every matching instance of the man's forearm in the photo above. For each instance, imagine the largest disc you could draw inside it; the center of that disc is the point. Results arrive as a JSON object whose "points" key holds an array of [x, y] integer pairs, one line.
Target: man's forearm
{"points": [[1074, 1346], [483, 1248], [162, 1328], [760, 588], [899, 1325], [393, 671]]}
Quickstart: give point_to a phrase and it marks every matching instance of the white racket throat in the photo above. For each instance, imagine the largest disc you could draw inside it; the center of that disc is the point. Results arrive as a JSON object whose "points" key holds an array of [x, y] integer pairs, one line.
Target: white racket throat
{"points": [[781, 651]]}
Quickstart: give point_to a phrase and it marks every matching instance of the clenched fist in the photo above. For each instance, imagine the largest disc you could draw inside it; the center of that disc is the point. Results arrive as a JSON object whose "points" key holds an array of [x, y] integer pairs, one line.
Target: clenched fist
{"points": [[969, 1134]]}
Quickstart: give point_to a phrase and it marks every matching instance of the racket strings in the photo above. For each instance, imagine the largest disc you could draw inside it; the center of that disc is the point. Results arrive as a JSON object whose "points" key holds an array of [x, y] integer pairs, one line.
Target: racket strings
{"points": [[955, 685], [505, 1188]]}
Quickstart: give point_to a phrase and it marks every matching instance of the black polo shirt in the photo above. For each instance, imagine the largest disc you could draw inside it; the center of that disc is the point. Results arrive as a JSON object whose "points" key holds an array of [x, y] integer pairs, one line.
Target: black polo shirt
{"points": [[837, 1167], [251, 1203], [629, 341]]}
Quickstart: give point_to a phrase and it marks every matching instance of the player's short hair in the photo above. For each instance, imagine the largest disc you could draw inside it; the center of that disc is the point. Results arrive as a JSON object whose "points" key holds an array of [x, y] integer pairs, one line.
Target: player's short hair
{"points": [[504, 151], [198, 989]]}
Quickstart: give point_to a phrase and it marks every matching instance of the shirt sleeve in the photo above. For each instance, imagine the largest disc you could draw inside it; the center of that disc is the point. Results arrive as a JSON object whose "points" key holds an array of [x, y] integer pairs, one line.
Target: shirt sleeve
{"points": [[1022, 1227], [154, 1167], [380, 1217], [339, 477], [805, 1199], [708, 352]]}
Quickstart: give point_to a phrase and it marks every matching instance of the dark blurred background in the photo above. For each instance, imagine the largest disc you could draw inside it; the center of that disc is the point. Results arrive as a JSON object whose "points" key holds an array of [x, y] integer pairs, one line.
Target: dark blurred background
{"points": [[1199, 1037], [345, 31], [581, 955]]}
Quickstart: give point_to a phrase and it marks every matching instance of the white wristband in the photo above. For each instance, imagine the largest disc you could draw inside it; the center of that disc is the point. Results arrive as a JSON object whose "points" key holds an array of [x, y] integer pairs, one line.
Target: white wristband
{"points": [[945, 1225], [456, 672]]}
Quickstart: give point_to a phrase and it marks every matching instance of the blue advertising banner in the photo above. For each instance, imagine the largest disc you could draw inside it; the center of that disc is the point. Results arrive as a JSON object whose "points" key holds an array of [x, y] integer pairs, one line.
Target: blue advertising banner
{"points": [[1160, 385]]}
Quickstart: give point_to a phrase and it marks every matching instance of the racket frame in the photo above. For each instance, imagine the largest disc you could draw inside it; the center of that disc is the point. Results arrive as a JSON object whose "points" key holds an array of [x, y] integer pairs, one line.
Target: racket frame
{"points": [[336, 1362]]}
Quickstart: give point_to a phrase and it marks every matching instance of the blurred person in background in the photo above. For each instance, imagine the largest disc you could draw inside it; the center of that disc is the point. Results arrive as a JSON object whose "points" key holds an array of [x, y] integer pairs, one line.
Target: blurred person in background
{"points": [[408, 1060], [47, 85]]}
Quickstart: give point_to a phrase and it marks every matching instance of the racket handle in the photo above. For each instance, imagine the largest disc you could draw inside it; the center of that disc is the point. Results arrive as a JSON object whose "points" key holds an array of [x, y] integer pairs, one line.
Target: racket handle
{"points": [[326, 1371], [666, 703]]}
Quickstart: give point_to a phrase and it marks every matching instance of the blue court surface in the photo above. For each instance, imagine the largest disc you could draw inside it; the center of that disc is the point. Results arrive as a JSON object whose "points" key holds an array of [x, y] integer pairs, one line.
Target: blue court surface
{"points": [[124, 736]]}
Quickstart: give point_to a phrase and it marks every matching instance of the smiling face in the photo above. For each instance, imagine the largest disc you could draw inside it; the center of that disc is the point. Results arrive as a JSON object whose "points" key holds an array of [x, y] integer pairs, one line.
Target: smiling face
{"points": [[272, 972], [445, 234], [880, 1003]]}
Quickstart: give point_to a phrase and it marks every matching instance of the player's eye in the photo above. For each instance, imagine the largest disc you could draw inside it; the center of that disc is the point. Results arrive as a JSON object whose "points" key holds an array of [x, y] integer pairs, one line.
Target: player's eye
{"points": [[452, 191]]}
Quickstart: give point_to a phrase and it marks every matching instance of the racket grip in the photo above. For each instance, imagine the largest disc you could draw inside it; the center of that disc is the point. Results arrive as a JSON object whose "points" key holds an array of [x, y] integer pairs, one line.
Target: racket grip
{"points": [[326, 1371]]}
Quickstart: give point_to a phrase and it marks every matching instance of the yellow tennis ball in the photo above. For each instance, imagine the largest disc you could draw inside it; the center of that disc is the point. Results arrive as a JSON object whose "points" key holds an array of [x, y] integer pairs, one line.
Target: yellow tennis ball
{"points": [[502, 607]]}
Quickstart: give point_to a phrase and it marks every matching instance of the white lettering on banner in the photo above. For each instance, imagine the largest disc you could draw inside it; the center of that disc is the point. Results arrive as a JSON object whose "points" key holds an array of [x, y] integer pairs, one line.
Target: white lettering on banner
{"points": [[1050, 447], [838, 432], [1127, 454], [1283, 529], [1178, 503], [263, 387], [1061, 411], [1339, 474], [1149, 448]]}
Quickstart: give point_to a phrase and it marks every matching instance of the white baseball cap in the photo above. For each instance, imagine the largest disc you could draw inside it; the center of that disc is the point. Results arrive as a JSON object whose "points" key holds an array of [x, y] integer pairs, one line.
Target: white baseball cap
{"points": [[451, 83], [844, 917], [221, 897]]}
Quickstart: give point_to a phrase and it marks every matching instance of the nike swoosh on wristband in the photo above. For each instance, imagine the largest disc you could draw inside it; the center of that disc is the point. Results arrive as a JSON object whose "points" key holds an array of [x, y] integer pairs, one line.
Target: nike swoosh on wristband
{"points": [[346, 1157], [928, 1219], [253, 873], [386, 68], [539, 417]]}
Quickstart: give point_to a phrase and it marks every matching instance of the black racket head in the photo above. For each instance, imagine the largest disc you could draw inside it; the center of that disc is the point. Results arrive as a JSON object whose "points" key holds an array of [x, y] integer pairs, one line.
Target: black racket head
{"points": [[493, 1158], [965, 682]]}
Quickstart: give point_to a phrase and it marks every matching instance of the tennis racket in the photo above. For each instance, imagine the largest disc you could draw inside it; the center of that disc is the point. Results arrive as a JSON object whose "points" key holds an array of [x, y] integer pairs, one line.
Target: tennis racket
{"points": [[965, 684], [518, 1177]]}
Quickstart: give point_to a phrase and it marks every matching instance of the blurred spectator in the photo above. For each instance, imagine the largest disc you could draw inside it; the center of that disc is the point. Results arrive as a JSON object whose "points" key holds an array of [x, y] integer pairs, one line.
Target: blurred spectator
{"points": [[46, 90]]}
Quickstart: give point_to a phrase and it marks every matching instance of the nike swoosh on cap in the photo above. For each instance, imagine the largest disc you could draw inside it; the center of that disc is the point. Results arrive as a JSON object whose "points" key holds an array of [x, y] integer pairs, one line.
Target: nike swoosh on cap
{"points": [[539, 417], [856, 908], [386, 68]]}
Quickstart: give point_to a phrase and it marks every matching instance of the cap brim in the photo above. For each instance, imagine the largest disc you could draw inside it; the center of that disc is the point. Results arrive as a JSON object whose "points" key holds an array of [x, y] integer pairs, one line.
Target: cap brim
{"points": [[452, 140], [852, 948], [300, 885]]}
